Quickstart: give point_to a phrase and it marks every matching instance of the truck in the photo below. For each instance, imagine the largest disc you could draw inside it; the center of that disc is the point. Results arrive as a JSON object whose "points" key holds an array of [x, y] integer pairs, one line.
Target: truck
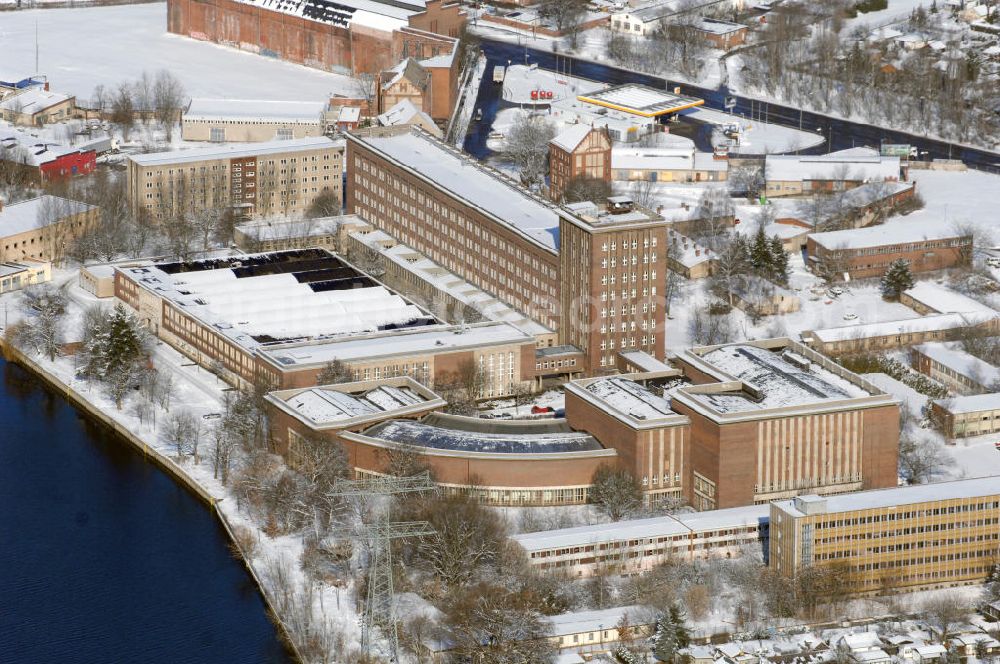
{"points": [[498, 74]]}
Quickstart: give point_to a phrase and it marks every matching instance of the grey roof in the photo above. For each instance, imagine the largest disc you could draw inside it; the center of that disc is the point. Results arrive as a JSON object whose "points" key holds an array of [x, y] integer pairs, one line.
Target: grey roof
{"points": [[421, 434]]}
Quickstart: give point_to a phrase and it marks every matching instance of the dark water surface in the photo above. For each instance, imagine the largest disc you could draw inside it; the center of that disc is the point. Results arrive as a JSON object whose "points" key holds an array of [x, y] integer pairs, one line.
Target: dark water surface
{"points": [[103, 557]]}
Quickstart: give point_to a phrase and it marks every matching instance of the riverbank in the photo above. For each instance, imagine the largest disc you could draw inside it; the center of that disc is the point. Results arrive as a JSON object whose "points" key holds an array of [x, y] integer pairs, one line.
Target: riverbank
{"points": [[164, 463]]}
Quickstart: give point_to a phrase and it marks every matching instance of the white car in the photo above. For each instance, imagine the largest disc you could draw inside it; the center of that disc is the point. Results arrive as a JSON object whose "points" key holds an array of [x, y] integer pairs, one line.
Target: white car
{"points": [[993, 261], [836, 290], [850, 316]]}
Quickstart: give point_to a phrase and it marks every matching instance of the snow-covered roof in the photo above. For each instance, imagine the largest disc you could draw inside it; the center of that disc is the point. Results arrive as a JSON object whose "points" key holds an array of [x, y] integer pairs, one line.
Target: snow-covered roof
{"points": [[690, 524], [852, 164], [914, 400], [570, 138], [629, 397], [326, 405], [973, 403], [33, 100], [686, 251], [35, 212], [404, 112], [465, 178], [581, 622], [236, 151], [928, 323], [934, 650], [259, 298], [884, 235], [21, 147], [641, 100], [419, 341], [645, 361], [421, 434], [859, 640], [944, 300], [897, 496], [871, 656], [261, 110], [777, 379], [665, 159], [965, 364], [386, 16], [283, 229], [717, 27], [349, 114]]}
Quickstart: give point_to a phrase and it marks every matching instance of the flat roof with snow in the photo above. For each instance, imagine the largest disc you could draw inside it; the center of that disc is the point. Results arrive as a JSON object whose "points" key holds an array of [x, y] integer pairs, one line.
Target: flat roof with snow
{"points": [[927, 323], [689, 524], [629, 401], [36, 212], [284, 229], [640, 100], [420, 341], [899, 496], [973, 403], [386, 16], [286, 295], [260, 110], [951, 356], [353, 404], [944, 300], [852, 164], [887, 235], [236, 151], [770, 380], [466, 179]]}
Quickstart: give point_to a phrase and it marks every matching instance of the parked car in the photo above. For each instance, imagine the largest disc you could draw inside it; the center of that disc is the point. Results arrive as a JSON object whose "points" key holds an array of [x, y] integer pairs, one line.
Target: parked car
{"points": [[836, 291], [538, 410], [850, 316], [993, 261]]}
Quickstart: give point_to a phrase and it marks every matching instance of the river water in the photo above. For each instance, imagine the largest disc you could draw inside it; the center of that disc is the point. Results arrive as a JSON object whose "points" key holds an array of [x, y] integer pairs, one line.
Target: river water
{"points": [[103, 557]]}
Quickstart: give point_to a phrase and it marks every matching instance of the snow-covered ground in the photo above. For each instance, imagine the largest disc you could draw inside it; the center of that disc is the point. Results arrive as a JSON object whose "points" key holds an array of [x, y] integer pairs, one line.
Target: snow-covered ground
{"points": [[80, 48], [897, 10], [756, 137], [957, 198]]}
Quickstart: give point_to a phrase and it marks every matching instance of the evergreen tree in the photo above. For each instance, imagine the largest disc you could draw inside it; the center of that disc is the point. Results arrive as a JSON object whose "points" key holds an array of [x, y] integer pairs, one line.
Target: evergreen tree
{"points": [[114, 350], [671, 634], [760, 252], [896, 279], [778, 260]]}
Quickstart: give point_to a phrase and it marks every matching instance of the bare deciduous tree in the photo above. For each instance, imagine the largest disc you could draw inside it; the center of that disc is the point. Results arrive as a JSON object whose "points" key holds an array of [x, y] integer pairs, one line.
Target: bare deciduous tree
{"points": [[615, 491]]}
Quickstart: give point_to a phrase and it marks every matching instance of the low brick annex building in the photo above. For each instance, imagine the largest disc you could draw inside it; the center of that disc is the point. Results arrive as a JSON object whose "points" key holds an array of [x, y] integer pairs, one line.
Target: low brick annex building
{"points": [[865, 253]]}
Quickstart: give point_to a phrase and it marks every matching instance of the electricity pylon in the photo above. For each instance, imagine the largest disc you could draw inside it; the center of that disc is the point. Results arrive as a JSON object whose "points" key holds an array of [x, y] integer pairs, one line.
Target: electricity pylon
{"points": [[379, 607]]}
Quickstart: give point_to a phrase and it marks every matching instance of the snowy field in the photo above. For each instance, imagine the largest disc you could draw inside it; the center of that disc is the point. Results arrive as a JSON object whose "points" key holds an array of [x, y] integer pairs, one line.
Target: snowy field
{"points": [[957, 198], [83, 47]]}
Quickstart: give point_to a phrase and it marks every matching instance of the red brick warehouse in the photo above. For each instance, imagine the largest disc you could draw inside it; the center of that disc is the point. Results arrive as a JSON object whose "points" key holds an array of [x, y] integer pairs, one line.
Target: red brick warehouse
{"points": [[335, 36]]}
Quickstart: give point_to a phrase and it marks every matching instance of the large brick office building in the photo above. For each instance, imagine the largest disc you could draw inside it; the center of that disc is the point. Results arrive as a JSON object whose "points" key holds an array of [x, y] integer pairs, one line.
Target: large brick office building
{"points": [[588, 272]]}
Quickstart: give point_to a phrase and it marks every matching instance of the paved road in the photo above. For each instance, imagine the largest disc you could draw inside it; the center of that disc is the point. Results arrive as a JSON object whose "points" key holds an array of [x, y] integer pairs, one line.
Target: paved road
{"points": [[839, 134]]}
